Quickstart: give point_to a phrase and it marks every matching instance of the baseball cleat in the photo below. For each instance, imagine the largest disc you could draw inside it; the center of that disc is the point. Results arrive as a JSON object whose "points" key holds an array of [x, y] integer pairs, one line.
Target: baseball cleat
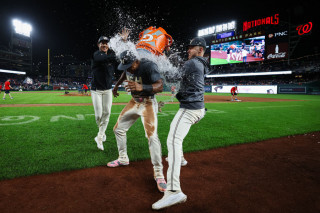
{"points": [[99, 143], [117, 163], [169, 199], [161, 184], [184, 162]]}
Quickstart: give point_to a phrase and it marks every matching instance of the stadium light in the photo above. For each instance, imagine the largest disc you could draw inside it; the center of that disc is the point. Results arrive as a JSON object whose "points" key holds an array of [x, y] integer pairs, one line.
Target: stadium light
{"points": [[250, 74], [12, 72], [22, 28]]}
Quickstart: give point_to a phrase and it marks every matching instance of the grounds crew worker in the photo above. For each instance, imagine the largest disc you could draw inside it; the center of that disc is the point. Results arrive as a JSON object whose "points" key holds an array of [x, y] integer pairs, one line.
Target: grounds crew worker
{"points": [[192, 110]]}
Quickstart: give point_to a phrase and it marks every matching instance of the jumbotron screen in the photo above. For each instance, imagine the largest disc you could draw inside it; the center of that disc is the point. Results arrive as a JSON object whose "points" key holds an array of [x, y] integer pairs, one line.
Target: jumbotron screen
{"points": [[239, 51]]}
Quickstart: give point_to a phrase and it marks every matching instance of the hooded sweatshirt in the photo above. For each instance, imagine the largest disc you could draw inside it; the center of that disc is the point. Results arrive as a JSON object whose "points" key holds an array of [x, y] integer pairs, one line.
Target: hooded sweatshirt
{"points": [[191, 92]]}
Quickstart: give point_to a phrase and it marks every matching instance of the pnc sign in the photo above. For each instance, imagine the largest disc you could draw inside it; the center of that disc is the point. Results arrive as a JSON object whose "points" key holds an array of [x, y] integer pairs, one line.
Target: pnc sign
{"points": [[274, 20]]}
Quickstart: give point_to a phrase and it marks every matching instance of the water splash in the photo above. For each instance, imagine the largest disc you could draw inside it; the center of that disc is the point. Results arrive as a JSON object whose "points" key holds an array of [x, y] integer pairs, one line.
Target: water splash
{"points": [[136, 20], [169, 71]]}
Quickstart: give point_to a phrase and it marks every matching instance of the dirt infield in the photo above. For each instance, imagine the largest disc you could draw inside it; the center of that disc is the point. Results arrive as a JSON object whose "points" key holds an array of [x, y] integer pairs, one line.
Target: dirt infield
{"points": [[208, 99], [279, 175]]}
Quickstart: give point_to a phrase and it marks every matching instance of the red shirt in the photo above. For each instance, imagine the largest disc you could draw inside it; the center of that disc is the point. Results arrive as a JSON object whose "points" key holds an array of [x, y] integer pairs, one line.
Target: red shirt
{"points": [[233, 89], [85, 87], [0, 87], [6, 85]]}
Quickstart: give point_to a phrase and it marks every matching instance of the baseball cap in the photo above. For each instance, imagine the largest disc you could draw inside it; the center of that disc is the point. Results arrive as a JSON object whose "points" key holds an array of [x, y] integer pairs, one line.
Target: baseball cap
{"points": [[127, 58], [103, 38], [197, 41]]}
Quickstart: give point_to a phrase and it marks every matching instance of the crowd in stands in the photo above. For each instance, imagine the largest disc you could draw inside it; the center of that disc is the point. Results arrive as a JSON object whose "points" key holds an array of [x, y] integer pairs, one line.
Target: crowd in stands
{"points": [[305, 70]]}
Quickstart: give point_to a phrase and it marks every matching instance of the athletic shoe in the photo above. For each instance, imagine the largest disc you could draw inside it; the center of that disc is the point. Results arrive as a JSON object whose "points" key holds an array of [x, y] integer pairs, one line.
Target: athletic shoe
{"points": [[99, 143], [104, 138], [184, 162], [3, 99], [169, 199], [161, 184], [11, 97], [117, 163], [236, 99]]}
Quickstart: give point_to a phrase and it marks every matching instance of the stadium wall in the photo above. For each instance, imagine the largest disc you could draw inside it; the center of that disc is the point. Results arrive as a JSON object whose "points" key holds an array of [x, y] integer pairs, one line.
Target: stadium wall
{"points": [[254, 89]]}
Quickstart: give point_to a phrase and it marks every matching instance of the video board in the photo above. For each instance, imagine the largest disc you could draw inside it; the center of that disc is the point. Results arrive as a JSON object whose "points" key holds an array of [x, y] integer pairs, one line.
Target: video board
{"points": [[238, 51]]}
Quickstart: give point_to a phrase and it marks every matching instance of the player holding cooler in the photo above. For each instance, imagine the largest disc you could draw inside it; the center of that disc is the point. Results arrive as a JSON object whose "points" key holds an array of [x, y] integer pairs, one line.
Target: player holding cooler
{"points": [[192, 110]]}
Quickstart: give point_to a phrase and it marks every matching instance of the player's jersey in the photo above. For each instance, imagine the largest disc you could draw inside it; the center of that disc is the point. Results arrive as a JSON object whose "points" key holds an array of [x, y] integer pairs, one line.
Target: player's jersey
{"points": [[6, 85], [147, 73]]}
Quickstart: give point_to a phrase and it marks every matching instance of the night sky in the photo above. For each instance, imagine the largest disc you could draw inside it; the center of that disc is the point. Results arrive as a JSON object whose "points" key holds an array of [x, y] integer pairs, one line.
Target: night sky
{"points": [[73, 27]]}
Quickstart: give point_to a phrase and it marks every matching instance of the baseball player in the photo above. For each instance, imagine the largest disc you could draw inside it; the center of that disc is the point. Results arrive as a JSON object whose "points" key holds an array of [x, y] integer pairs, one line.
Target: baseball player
{"points": [[143, 81], [234, 93], [191, 98], [7, 88], [103, 68]]}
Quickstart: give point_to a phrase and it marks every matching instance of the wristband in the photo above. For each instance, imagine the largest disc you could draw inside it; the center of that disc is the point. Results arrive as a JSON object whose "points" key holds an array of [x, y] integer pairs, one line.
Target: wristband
{"points": [[147, 88]]}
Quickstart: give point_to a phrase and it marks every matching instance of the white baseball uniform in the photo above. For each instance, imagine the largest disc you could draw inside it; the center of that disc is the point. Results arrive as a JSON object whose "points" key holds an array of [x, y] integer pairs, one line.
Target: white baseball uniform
{"points": [[179, 129], [102, 103]]}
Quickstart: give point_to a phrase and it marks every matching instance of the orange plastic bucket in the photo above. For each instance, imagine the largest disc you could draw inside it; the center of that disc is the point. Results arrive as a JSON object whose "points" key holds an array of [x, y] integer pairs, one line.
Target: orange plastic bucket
{"points": [[155, 40]]}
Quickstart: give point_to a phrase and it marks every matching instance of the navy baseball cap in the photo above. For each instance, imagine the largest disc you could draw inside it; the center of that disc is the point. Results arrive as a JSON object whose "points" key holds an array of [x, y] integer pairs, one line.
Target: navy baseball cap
{"points": [[103, 38], [127, 58], [197, 41]]}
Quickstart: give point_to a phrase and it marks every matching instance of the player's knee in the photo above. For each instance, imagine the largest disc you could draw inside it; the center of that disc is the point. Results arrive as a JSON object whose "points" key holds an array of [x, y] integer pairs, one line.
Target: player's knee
{"points": [[119, 131], [98, 118]]}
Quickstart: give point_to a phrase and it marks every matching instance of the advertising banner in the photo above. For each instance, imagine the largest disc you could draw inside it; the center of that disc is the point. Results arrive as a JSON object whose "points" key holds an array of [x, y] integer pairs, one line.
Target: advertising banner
{"points": [[277, 51], [264, 89]]}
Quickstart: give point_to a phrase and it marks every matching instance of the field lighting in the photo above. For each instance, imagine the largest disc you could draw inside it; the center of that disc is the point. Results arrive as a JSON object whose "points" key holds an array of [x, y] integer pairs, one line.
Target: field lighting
{"points": [[250, 74], [22, 28], [13, 72]]}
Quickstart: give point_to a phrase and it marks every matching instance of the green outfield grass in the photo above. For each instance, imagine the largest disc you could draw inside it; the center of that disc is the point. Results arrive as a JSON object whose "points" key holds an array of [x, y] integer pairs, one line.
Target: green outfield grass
{"points": [[41, 140], [219, 61], [60, 98]]}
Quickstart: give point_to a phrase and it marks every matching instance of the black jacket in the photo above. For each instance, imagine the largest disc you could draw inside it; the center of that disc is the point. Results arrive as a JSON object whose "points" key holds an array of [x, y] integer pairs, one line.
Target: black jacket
{"points": [[191, 92], [103, 67]]}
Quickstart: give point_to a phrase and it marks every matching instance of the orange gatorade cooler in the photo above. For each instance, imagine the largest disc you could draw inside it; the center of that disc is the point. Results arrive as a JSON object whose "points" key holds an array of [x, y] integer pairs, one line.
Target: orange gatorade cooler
{"points": [[155, 40]]}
